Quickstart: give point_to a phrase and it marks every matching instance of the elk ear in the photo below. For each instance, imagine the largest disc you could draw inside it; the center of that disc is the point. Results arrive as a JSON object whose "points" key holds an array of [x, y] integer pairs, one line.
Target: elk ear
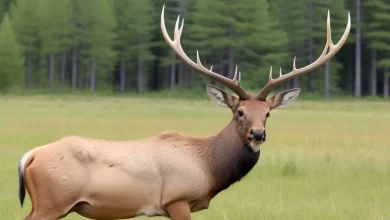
{"points": [[222, 98], [283, 99]]}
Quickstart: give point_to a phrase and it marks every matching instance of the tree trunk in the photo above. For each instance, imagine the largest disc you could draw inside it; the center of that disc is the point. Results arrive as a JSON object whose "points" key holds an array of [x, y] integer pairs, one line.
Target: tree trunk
{"points": [[373, 72], [140, 80], [51, 71], [190, 78], [74, 70], [166, 78], [28, 70], [182, 75], [295, 82], [173, 73], [358, 88], [63, 69], [326, 80], [385, 84], [221, 70], [93, 75], [122, 76], [311, 47]]}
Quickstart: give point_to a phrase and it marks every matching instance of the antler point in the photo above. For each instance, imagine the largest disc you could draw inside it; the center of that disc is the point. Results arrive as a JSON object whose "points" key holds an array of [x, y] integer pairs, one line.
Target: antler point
{"points": [[235, 74], [197, 57], [349, 19], [294, 64]]}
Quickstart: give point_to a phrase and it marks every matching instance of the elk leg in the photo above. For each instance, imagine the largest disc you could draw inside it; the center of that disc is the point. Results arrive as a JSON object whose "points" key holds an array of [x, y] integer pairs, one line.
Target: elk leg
{"points": [[179, 210]]}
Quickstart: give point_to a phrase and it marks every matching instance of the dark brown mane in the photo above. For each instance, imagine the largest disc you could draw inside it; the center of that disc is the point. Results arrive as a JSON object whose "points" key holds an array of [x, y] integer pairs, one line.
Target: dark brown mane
{"points": [[225, 153], [229, 158]]}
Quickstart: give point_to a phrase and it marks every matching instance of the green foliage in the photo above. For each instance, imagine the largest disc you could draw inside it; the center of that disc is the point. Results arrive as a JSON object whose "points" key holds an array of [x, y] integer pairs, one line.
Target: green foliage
{"points": [[377, 32], [172, 11], [4, 7], [245, 28], [95, 35], [25, 15], [56, 25], [293, 19], [252, 35], [134, 29], [132, 17], [338, 21], [11, 61]]}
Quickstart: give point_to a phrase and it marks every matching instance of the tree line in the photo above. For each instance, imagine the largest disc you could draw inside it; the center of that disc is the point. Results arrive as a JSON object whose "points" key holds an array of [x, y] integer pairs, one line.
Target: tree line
{"points": [[92, 45]]}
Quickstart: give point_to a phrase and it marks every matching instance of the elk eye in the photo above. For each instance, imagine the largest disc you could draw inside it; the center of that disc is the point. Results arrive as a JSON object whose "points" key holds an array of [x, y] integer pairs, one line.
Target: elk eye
{"points": [[267, 115], [240, 112]]}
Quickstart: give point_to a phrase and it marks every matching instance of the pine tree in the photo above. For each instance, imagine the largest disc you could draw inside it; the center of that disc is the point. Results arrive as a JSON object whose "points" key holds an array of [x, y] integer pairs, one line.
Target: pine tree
{"points": [[4, 8], [95, 29], [56, 29], [239, 33], [292, 16], [134, 32], [327, 82], [263, 41], [376, 33], [25, 17], [11, 60], [168, 62]]}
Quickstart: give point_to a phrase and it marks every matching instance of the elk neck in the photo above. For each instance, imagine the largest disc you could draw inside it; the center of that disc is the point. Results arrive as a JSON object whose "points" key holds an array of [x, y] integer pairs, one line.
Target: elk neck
{"points": [[228, 158]]}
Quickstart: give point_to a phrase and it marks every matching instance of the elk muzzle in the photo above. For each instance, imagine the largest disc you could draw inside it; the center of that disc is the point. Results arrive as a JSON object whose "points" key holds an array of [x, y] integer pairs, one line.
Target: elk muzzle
{"points": [[257, 134]]}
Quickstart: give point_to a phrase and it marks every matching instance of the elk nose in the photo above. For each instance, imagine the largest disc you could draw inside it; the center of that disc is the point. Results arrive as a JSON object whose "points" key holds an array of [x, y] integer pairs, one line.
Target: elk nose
{"points": [[258, 134]]}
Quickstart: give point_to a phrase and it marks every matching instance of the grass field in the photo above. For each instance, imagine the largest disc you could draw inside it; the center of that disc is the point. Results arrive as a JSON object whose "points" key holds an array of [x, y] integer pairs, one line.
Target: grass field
{"points": [[322, 160]]}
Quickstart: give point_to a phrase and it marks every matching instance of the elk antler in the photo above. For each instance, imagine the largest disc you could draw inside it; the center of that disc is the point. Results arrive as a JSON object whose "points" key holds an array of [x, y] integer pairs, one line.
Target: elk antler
{"points": [[324, 57], [233, 84]]}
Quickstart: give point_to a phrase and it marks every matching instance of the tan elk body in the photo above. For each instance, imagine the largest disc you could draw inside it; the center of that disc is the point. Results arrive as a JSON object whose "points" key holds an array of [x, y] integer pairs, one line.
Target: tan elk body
{"points": [[167, 175]]}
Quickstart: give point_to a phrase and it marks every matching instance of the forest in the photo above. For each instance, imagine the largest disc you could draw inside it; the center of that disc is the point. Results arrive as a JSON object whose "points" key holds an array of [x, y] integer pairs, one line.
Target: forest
{"points": [[92, 46]]}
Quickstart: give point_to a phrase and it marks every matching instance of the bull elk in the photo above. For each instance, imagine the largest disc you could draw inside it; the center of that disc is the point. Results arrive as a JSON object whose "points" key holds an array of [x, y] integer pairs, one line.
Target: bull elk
{"points": [[169, 174]]}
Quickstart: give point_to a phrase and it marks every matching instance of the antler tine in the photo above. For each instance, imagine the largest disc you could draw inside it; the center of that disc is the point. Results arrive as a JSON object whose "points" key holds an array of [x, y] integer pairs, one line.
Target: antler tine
{"points": [[323, 58], [237, 76], [233, 84]]}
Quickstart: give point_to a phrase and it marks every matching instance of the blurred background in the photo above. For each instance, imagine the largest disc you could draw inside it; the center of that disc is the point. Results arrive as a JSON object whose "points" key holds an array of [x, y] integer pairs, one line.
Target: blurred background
{"points": [[116, 46]]}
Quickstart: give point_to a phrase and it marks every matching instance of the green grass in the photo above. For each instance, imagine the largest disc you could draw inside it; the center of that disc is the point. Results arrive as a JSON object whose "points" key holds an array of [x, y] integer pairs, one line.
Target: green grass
{"points": [[322, 160]]}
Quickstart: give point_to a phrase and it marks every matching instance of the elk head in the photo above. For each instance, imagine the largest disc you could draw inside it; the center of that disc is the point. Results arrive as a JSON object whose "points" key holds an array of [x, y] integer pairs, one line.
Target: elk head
{"points": [[251, 112]]}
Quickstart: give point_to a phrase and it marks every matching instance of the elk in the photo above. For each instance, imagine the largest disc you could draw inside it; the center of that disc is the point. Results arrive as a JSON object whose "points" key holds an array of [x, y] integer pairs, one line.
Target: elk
{"points": [[170, 174]]}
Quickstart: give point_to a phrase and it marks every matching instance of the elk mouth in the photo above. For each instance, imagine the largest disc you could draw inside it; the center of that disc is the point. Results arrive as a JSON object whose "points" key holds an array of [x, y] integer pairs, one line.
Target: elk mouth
{"points": [[254, 144]]}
